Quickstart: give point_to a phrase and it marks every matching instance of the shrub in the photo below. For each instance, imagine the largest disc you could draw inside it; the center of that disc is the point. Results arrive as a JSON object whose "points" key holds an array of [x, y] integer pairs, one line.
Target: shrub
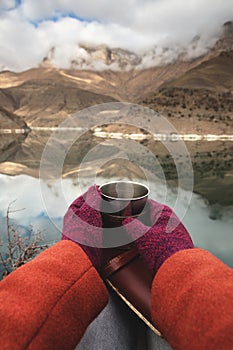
{"points": [[19, 249]]}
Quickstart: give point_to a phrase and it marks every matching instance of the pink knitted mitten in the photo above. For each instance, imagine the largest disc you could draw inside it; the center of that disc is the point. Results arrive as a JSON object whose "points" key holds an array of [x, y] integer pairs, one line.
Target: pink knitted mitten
{"points": [[166, 236], [83, 224]]}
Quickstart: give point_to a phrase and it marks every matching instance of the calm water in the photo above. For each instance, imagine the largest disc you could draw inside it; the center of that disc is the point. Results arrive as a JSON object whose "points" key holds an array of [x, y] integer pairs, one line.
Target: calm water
{"points": [[207, 215]]}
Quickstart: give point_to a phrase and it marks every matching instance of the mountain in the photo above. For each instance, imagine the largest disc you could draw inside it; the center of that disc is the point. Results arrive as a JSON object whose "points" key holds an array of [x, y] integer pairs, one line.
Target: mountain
{"points": [[11, 120], [98, 57], [45, 97], [195, 95], [10, 142], [186, 90], [215, 74], [27, 92], [201, 100]]}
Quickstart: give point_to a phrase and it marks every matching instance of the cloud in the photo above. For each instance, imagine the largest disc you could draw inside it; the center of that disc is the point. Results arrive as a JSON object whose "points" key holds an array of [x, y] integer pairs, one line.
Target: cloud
{"points": [[7, 4], [158, 31]]}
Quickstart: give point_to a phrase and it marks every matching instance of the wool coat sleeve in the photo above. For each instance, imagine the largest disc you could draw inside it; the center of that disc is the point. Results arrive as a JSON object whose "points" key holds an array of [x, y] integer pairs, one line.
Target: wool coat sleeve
{"points": [[48, 303], [192, 301]]}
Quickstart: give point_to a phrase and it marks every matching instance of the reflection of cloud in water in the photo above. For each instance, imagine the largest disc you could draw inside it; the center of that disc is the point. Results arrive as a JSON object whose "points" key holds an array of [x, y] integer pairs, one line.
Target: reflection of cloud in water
{"points": [[214, 235]]}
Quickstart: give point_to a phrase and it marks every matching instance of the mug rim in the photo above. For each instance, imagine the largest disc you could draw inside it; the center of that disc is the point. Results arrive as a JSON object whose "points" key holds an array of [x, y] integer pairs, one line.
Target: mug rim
{"points": [[125, 199]]}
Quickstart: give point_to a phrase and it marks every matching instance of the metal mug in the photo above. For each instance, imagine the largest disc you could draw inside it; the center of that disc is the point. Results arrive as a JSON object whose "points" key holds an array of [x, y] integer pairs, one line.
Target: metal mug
{"points": [[122, 199], [123, 269]]}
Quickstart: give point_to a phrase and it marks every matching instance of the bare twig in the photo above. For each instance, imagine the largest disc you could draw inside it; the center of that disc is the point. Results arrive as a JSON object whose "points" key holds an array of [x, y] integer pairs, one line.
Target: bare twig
{"points": [[20, 249], [4, 264]]}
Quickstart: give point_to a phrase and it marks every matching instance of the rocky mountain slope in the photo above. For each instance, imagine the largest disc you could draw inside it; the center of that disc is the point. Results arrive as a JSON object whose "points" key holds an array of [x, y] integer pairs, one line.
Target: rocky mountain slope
{"points": [[201, 100], [56, 92], [195, 95], [46, 95], [11, 120], [11, 142]]}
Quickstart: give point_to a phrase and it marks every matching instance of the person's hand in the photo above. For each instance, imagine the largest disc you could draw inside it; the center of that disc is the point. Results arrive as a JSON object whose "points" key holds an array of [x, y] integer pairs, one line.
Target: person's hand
{"points": [[83, 224], [166, 236]]}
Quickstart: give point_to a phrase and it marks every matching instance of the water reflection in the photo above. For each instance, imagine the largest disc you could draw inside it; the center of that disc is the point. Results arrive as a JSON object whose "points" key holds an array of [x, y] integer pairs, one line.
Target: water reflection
{"points": [[214, 235], [209, 217], [212, 160]]}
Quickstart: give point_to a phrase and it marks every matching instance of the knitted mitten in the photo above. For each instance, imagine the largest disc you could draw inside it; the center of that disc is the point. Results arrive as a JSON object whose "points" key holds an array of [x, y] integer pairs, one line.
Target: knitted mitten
{"points": [[83, 224], [166, 236]]}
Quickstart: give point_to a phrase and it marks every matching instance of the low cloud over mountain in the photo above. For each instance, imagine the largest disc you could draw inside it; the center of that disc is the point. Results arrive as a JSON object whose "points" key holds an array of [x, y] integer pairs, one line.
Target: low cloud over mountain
{"points": [[156, 32]]}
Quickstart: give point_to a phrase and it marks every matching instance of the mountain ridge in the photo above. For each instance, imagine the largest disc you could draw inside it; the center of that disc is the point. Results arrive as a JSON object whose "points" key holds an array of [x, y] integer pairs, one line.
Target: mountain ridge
{"points": [[44, 97], [48, 95]]}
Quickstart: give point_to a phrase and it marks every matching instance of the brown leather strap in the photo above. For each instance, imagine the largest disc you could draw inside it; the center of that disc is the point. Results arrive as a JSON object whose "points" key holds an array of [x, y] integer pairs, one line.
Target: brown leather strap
{"points": [[119, 261]]}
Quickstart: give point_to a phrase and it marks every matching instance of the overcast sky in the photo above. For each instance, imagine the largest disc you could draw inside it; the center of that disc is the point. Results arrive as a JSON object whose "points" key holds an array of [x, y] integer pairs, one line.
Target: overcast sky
{"points": [[30, 28]]}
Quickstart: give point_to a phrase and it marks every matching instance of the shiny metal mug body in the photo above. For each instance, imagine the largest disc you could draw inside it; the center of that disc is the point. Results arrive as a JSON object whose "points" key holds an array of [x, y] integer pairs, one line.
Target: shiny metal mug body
{"points": [[122, 199]]}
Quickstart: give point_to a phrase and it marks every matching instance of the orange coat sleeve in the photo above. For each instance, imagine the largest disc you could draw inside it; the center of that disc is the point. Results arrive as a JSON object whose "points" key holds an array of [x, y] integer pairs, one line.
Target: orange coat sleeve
{"points": [[192, 301], [48, 303]]}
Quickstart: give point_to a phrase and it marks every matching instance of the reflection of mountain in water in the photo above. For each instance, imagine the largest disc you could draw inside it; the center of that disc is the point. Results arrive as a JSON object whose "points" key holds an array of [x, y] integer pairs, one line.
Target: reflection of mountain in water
{"points": [[212, 161]]}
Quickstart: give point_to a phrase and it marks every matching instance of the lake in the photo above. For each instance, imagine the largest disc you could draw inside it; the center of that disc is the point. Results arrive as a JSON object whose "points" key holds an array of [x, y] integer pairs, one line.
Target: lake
{"points": [[41, 192]]}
